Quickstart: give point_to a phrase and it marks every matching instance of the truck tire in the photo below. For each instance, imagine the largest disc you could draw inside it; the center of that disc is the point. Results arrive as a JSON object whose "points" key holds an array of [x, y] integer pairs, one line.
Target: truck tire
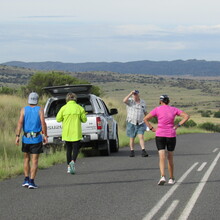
{"points": [[114, 144], [105, 147]]}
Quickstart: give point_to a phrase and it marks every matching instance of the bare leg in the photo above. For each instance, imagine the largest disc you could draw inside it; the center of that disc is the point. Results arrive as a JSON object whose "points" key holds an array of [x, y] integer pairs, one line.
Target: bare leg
{"points": [[132, 143], [141, 140], [162, 157], [26, 164], [34, 165], [170, 164]]}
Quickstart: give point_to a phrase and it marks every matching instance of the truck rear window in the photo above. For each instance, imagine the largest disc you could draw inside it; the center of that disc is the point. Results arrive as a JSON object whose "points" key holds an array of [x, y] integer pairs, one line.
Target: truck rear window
{"points": [[56, 106]]}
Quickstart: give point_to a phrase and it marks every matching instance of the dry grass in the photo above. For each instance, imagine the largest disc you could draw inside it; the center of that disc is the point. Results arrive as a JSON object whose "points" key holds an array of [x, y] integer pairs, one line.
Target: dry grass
{"points": [[190, 101]]}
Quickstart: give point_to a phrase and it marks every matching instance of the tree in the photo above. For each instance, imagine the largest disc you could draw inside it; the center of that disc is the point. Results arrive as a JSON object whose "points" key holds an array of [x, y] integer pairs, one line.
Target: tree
{"points": [[42, 79]]}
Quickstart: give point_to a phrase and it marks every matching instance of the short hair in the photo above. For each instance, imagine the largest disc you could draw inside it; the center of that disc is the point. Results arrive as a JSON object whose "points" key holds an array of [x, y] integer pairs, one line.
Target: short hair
{"points": [[71, 96]]}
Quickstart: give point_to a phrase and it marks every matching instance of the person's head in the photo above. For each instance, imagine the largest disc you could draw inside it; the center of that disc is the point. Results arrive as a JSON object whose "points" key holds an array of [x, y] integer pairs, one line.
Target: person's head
{"points": [[33, 98], [164, 99], [71, 97], [136, 94]]}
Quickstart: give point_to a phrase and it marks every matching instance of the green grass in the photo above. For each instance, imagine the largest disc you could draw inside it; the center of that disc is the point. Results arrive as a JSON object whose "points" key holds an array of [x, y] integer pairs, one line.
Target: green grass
{"points": [[190, 101]]}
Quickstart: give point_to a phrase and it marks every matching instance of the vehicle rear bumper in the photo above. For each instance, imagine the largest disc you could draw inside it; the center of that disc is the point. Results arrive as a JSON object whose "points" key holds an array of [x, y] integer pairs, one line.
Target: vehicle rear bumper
{"points": [[85, 139]]}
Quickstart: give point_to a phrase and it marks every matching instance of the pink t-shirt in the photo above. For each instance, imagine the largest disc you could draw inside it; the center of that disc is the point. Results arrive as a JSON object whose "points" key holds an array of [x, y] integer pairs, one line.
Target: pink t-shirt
{"points": [[166, 116]]}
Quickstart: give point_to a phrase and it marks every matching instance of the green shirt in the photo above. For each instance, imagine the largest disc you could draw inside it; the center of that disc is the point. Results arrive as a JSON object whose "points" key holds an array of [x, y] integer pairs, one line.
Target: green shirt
{"points": [[71, 115]]}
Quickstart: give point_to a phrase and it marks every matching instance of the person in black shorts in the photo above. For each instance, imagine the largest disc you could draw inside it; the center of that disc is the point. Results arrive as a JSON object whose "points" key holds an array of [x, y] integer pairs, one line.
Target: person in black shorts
{"points": [[32, 122], [166, 134]]}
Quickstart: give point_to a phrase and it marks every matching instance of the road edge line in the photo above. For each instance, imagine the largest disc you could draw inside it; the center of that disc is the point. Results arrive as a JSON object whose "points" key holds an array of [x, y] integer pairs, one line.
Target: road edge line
{"points": [[157, 207], [188, 208]]}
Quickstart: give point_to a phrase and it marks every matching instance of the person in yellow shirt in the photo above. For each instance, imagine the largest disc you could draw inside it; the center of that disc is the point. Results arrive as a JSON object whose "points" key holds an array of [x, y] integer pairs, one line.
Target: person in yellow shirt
{"points": [[71, 115]]}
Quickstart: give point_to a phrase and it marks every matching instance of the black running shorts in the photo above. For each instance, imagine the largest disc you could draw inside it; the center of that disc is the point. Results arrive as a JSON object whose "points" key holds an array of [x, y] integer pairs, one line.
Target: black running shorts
{"points": [[32, 148], [166, 143]]}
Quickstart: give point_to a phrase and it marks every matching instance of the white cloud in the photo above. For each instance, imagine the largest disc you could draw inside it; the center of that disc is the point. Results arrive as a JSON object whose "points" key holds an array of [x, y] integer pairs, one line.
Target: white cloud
{"points": [[163, 45], [86, 30], [199, 29], [135, 30]]}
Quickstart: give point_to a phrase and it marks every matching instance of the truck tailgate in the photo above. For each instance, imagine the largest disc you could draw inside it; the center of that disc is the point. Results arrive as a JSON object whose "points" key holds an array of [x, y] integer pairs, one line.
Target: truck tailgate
{"points": [[54, 128], [90, 126]]}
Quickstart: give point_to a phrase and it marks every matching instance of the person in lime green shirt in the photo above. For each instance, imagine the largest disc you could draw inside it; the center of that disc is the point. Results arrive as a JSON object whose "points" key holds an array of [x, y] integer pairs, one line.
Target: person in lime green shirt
{"points": [[71, 115]]}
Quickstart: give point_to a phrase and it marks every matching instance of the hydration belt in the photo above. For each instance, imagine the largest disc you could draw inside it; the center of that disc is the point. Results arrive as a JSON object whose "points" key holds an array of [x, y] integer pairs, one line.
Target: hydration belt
{"points": [[31, 134]]}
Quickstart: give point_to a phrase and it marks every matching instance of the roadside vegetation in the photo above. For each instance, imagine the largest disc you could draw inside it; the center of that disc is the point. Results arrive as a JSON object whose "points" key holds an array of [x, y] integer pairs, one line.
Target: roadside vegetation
{"points": [[194, 101]]}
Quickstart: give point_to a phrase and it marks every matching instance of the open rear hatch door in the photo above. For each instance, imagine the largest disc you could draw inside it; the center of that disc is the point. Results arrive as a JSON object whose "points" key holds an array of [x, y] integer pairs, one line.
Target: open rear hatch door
{"points": [[56, 91]]}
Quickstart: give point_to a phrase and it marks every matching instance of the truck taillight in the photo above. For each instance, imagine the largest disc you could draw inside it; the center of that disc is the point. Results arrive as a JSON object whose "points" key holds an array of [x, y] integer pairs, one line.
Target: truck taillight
{"points": [[99, 123]]}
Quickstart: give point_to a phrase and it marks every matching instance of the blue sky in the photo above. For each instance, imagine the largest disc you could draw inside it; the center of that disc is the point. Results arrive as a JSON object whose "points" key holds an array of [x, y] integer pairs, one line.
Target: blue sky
{"points": [[79, 31]]}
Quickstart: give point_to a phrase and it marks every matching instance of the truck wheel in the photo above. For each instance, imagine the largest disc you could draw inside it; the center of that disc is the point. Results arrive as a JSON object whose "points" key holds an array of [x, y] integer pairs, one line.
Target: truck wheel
{"points": [[105, 145], [114, 144]]}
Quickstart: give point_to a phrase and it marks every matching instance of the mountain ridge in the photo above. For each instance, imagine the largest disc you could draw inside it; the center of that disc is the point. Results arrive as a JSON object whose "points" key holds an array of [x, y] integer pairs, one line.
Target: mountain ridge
{"points": [[191, 67]]}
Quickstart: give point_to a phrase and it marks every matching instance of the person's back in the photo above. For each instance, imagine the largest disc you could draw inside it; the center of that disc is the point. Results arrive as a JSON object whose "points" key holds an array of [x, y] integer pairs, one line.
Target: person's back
{"points": [[32, 123], [166, 115], [71, 115], [165, 134]]}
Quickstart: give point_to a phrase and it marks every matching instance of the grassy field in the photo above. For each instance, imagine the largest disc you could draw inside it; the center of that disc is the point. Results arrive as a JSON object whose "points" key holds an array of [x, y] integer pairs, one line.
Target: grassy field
{"points": [[190, 95]]}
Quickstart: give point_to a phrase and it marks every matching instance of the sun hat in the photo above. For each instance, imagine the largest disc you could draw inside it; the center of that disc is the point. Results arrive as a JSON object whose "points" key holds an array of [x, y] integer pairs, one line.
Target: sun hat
{"points": [[33, 98]]}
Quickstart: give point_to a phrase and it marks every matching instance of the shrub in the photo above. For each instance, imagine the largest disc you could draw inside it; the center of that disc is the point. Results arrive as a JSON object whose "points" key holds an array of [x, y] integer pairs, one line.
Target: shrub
{"points": [[188, 124], [217, 114], [7, 90], [206, 113], [210, 127], [154, 120]]}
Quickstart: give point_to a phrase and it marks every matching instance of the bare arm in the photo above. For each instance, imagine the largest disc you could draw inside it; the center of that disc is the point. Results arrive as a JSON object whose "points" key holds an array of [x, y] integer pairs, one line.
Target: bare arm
{"points": [[44, 126], [146, 120], [185, 118], [19, 126], [125, 100]]}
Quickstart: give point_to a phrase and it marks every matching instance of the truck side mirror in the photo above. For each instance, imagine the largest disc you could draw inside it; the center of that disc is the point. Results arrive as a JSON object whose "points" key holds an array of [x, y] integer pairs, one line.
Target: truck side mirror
{"points": [[113, 111]]}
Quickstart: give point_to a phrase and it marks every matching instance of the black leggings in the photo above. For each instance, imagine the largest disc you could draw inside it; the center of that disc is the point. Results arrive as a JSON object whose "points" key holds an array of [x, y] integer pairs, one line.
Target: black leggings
{"points": [[72, 150]]}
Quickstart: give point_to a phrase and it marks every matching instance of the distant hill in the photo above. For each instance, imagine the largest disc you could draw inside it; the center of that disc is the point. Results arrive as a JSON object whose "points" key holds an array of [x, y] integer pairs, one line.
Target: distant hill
{"points": [[10, 75], [176, 67]]}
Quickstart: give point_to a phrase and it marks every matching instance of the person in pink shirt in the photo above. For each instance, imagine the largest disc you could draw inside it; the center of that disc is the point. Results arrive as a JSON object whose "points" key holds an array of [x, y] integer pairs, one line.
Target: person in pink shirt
{"points": [[166, 134]]}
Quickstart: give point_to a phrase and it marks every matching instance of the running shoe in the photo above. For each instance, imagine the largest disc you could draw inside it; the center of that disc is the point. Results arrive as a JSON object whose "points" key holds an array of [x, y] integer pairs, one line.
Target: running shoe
{"points": [[144, 153], [72, 167], [25, 183], [171, 181], [68, 169], [132, 153], [32, 185], [162, 181]]}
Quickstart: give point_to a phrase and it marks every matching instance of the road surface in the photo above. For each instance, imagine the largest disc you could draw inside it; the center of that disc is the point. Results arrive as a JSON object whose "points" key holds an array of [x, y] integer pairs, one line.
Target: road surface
{"points": [[120, 187]]}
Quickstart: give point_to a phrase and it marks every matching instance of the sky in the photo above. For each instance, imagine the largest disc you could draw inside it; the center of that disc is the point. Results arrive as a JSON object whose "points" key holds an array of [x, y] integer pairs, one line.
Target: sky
{"points": [[78, 31]]}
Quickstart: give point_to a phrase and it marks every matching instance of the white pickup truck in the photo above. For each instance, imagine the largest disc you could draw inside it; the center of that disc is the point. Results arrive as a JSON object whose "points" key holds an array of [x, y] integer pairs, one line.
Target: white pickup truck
{"points": [[100, 131]]}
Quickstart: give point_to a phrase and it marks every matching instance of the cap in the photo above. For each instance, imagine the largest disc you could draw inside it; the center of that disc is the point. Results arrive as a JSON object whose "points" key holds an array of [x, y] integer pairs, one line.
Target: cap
{"points": [[33, 98], [164, 97], [136, 92]]}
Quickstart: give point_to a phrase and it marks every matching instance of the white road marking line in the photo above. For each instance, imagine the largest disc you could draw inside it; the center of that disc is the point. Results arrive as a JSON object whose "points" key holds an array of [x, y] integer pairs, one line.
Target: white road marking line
{"points": [[157, 207], [186, 212], [202, 166], [170, 210], [215, 150]]}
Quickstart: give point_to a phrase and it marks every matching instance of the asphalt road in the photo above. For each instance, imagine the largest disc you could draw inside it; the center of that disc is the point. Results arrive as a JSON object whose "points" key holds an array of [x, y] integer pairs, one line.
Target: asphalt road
{"points": [[120, 187]]}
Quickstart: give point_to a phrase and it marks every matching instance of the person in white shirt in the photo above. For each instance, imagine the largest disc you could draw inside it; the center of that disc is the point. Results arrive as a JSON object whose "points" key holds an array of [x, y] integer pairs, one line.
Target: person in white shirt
{"points": [[135, 126]]}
